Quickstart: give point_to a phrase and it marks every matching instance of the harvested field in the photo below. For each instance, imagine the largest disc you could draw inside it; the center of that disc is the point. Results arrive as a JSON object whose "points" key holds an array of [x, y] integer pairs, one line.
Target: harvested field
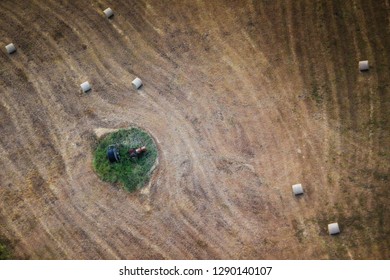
{"points": [[244, 99]]}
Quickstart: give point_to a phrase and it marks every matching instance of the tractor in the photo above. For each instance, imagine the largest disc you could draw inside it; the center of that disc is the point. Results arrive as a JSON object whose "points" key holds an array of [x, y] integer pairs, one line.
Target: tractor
{"points": [[136, 153], [113, 154]]}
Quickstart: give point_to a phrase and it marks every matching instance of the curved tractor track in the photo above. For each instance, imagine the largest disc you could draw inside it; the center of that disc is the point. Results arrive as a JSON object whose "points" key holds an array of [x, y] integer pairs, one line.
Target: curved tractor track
{"points": [[244, 98]]}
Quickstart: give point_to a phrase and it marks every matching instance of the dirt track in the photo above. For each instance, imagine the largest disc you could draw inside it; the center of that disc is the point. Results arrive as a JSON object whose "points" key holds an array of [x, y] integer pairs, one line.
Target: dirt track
{"points": [[245, 98]]}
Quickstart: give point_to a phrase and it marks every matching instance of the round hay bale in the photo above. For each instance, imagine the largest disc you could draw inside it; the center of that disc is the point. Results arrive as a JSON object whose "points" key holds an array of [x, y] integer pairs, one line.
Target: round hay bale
{"points": [[297, 189], [85, 86], [333, 228], [10, 48], [108, 12], [363, 65], [137, 83]]}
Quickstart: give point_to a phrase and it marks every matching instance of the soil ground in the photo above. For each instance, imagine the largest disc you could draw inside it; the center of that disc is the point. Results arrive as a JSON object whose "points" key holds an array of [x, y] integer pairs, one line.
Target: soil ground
{"points": [[244, 98]]}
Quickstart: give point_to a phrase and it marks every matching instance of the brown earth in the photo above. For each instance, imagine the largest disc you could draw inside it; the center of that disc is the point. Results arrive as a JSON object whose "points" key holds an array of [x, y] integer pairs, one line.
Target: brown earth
{"points": [[245, 98]]}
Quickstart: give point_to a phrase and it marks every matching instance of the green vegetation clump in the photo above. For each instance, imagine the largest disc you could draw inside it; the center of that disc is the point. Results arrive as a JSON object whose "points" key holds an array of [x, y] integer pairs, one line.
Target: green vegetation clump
{"points": [[4, 253], [131, 173]]}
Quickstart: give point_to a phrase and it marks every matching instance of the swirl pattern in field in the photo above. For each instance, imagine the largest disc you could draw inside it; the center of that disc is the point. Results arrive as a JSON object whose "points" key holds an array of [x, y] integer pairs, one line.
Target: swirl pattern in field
{"points": [[244, 99]]}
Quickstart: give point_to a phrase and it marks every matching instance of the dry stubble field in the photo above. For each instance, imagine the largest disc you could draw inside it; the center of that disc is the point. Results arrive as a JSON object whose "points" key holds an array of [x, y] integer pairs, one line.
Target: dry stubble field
{"points": [[244, 98]]}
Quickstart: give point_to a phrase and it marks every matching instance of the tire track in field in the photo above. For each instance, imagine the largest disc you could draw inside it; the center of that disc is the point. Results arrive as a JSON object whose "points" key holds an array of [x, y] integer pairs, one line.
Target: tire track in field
{"points": [[230, 97]]}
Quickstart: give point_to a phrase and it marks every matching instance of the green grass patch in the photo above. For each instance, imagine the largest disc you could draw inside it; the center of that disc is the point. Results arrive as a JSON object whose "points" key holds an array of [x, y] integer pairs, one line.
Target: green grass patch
{"points": [[4, 252], [131, 173]]}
